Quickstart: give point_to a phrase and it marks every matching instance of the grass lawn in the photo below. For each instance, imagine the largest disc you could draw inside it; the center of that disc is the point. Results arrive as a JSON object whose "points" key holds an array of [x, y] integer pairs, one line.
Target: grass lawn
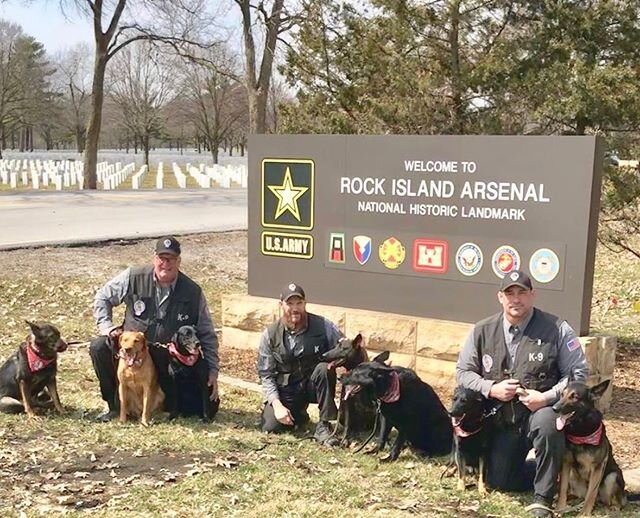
{"points": [[73, 466]]}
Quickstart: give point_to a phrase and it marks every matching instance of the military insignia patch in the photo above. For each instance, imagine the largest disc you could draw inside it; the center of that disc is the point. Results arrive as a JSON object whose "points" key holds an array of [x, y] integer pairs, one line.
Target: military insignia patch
{"points": [[391, 253]]}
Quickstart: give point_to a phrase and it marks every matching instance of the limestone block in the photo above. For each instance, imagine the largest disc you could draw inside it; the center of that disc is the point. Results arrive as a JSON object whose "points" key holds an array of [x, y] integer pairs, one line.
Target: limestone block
{"points": [[436, 372], [383, 332], [608, 355], [241, 339], [441, 339], [248, 313]]}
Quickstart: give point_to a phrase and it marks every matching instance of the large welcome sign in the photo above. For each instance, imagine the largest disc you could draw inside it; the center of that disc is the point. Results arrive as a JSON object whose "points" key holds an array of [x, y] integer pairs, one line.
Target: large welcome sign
{"points": [[425, 225]]}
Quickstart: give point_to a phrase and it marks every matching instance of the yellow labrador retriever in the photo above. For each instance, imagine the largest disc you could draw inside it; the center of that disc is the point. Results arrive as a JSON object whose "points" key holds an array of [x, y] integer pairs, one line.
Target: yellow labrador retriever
{"points": [[140, 394]]}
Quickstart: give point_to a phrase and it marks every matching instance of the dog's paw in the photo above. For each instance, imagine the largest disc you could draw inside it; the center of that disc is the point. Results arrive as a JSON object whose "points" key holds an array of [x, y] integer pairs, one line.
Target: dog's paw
{"points": [[145, 423], [387, 458], [34, 417], [371, 450]]}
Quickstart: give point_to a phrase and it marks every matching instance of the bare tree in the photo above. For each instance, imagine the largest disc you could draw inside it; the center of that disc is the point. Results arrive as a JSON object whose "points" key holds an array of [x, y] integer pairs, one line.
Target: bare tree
{"points": [[73, 78], [10, 91], [141, 87], [258, 77], [217, 99]]}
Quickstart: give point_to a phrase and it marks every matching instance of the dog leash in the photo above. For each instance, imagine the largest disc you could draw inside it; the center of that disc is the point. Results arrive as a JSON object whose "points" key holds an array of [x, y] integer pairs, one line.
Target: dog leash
{"points": [[375, 426]]}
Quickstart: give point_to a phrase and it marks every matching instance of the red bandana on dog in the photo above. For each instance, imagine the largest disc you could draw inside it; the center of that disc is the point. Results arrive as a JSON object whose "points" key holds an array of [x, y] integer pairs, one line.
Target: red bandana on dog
{"points": [[188, 360], [591, 440], [35, 361], [393, 393]]}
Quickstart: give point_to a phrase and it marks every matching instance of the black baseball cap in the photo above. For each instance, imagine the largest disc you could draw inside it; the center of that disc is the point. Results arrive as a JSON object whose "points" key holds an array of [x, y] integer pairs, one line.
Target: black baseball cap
{"points": [[292, 290], [516, 278], [168, 245]]}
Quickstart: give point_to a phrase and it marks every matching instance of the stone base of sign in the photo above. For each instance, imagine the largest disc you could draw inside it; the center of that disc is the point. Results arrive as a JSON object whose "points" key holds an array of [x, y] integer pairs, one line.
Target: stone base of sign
{"points": [[428, 346]]}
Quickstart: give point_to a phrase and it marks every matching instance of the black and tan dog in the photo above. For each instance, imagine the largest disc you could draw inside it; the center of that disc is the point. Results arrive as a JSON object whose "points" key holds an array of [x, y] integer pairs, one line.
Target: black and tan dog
{"points": [[356, 414], [471, 433], [406, 403], [189, 374], [138, 388], [31, 369], [589, 470]]}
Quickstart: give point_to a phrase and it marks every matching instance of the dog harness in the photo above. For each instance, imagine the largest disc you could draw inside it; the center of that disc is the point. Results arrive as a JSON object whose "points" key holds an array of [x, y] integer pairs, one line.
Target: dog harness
{"points": [[393, 392], [591, 440], [35, 361], [185, 359]]}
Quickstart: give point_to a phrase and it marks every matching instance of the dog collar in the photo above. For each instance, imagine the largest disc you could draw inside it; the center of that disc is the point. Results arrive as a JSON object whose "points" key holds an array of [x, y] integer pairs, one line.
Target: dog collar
{"points": [[185, 359], [393, 392], [131, 362], [461, 432], [591, 440], [35, 361]]}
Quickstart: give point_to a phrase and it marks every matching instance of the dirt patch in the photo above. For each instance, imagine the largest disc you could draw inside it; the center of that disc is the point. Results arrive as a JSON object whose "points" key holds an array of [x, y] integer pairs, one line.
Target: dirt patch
{"points": [[97, 480]]}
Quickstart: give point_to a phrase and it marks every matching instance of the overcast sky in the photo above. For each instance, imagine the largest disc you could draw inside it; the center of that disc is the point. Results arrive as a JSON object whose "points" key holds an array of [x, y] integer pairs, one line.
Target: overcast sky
{"points": [[45, 22]]}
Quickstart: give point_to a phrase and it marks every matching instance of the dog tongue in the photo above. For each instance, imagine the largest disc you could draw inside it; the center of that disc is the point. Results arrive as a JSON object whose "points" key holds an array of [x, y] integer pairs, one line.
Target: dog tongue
{"points": [[131, 360], [561, 421], [350, 390]]}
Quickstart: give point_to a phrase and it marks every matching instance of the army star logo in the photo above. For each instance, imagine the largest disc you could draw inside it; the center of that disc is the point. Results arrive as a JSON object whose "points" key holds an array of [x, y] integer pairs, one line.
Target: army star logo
{"points": [[287, 195]]}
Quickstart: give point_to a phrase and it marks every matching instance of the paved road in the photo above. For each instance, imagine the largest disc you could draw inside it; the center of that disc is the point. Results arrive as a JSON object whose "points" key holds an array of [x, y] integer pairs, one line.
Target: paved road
{"points": [[48, 218]]}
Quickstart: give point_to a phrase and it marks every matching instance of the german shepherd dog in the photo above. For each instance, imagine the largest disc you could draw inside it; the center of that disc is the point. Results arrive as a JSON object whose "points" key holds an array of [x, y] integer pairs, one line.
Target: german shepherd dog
{"points": [[471, 433], [189, 374], [30, 369], [589, 470], [356, 414], [406, 403], [138, 389]]}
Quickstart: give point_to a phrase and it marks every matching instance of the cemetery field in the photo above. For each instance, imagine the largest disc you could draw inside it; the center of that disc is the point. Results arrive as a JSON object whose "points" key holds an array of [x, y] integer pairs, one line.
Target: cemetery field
{"points": [[73, 466]]}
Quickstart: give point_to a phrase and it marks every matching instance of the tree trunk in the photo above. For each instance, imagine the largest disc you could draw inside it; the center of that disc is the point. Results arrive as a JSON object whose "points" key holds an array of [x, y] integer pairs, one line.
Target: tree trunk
{"points": [[95, 121], [80, 138], [145, 142]]}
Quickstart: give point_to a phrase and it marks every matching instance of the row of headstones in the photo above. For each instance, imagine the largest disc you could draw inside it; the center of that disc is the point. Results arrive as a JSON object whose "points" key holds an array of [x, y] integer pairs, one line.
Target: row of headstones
{"points": [[60, 173], [65, 173]]}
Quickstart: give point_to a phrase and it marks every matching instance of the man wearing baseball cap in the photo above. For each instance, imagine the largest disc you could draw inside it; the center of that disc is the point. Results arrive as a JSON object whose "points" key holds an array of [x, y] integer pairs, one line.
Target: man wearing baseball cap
{"points": [[520, 359], [159, 298], [290, 369]]}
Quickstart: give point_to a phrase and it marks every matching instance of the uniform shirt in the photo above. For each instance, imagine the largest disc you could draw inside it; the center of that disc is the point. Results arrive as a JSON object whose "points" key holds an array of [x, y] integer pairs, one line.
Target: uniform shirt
{"points": [[570, 358], [114, 292], [267, 367]]}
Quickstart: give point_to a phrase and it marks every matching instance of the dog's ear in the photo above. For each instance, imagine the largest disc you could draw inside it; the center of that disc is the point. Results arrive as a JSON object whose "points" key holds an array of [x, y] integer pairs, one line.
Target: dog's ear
{"points": [[357, 341], [35, 329], [382, 357], [597, 391]]}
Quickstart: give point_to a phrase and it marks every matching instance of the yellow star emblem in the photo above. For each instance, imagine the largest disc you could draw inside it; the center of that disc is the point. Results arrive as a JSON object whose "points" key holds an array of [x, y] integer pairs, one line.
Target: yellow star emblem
{"points": [[287, 195]]}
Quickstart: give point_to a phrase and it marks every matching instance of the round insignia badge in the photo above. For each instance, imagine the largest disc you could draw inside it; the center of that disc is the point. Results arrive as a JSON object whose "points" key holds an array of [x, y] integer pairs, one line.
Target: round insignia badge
{"points": [[167, 243], [505, 259], [469, 259], [544, 265], [138, 307], [292, 286], [487, 362], [391, 253]]}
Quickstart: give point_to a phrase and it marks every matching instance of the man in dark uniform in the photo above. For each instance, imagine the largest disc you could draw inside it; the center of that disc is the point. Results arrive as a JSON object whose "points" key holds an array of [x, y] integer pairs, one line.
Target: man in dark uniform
{"points": [[159, 299], [290, 369], [521, 358]]}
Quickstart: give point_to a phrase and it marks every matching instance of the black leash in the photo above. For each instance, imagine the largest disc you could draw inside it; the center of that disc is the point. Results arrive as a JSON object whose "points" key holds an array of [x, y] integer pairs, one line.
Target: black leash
{"points": [[375, 426]]}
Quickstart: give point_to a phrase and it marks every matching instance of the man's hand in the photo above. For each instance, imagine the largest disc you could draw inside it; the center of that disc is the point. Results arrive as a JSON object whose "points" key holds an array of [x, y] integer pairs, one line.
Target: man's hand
{"points": [[282, 413], [213, 383], [533, 400], [505, 390]]}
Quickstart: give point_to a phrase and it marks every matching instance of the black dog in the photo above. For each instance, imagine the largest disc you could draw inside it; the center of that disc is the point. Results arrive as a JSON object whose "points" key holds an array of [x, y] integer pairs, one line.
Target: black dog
{"points": [[356, 414], [30, 369], [406, 403], [471, 433], [589, 470], [189, 373]]}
